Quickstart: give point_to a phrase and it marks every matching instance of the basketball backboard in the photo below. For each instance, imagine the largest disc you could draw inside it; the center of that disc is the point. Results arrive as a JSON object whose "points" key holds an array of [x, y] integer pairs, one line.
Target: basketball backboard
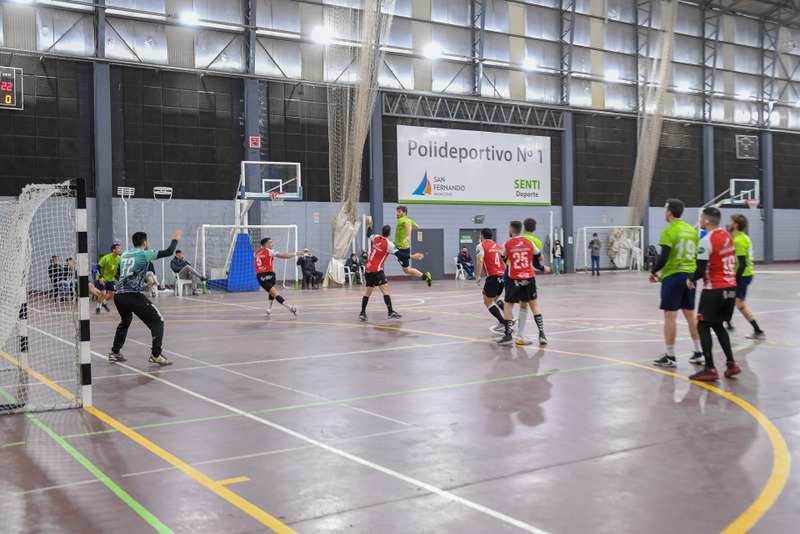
{"points": [[270, 180]]}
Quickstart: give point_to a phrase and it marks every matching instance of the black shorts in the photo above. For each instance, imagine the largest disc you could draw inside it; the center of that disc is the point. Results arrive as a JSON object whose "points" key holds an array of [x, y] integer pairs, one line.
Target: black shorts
{"points": [[375, 279], [266, 280], [493, 286], [742, 283], [105, 285], [404, 257], [716, 305], [520, 290]]}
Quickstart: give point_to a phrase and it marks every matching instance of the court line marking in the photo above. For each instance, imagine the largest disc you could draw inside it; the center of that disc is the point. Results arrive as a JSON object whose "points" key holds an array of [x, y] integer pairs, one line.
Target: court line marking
{"points": [[99, 475], [240, 502], [781, 459], [212, 461], [279, 386], [329, 448], [233, 480]]}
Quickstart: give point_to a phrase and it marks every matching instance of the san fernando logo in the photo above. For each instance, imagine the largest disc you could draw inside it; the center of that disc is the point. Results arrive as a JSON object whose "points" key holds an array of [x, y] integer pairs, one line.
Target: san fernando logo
{"points": [[424, 187]]}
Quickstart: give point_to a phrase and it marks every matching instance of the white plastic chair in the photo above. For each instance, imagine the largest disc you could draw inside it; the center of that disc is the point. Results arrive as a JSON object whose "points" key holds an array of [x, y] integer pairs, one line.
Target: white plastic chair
{"points": [[460, 273], [348, 276], [179, 283]]}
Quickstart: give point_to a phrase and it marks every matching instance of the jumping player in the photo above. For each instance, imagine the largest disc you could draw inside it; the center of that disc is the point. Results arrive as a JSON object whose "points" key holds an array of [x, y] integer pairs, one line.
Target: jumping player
{"points": [[743, 248], [402, 241], [522, 257], [715, 263], [265, 273], [489, 256], [379, 249], [130, 300], [108, 269], [676, 263]]}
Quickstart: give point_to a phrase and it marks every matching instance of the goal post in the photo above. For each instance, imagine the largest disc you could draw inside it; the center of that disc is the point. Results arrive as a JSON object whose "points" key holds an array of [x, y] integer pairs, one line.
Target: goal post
{"points": [[621, 247], [44, 299], [224, 254]]}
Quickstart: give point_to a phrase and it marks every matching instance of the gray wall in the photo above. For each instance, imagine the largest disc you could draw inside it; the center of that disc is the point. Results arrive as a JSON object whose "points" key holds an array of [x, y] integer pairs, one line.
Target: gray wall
{"points": [[787, 234]]}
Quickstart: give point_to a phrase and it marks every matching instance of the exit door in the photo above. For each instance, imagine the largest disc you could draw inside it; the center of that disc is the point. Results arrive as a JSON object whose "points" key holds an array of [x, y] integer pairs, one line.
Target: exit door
{"points": [[470, 237], [429, 241]]}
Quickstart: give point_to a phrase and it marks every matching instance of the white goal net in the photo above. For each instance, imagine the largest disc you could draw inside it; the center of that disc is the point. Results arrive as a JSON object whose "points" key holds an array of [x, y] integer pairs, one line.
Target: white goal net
{"points": [[620, 248], [39, 301], [221, 254]]}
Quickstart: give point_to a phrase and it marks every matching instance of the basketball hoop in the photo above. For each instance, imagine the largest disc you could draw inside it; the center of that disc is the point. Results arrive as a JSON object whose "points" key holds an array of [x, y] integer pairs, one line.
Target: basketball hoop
{"points": [[275, 196], [751, 203]]}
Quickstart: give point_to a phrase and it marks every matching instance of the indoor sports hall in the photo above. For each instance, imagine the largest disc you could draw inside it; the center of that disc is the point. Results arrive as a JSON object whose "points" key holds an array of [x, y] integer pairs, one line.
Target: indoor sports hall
{"points": [[399, 266]]}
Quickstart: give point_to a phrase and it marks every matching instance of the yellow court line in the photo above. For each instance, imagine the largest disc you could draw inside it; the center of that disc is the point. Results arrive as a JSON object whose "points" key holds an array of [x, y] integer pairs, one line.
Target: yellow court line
{"points": [[234, 480], [218, 488], [781, 459]]}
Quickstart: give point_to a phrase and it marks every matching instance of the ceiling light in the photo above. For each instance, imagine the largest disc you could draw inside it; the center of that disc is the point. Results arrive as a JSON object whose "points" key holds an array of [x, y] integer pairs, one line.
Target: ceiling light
{"points": [[530, 64], [432, 50], [189, 17], [321, 35]]}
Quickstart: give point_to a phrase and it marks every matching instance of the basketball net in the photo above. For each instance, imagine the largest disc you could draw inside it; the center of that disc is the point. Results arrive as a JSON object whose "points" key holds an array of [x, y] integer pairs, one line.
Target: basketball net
{"points": [[751, 203]]}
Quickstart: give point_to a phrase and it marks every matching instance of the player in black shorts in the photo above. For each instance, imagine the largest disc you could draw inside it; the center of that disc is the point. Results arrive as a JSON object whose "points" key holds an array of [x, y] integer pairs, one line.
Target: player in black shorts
{"points": [[489, 259]]}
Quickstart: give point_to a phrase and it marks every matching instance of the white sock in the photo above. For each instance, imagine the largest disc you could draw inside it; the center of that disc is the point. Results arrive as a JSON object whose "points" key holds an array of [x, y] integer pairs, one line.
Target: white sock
{"points": [[522, 322], [271, 302], [671, 351], [697, 347]]}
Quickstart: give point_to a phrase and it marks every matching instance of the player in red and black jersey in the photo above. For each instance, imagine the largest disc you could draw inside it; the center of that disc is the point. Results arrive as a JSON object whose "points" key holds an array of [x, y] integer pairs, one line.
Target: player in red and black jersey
{"points": [[716, 265], [490, 260], [380, 248], [522, 256], [265, 272]]}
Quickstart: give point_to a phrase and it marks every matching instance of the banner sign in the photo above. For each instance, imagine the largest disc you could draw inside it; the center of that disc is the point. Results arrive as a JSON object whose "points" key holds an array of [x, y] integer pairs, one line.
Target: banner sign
{"points": [[443, 166]]}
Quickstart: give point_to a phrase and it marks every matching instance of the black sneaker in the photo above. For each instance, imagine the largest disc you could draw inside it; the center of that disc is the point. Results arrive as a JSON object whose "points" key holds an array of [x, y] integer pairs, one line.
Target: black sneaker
{"points": [[542, 339], [97, 310], [115, 357], [729, 326], [698, 358], [505, 340], [666, 361], [363, 317], [106, 308], [428, 279], [394, 315], [758, 336]]}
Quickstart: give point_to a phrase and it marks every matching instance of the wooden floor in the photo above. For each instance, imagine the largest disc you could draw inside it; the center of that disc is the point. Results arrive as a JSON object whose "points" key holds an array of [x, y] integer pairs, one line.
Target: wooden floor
{"points": [[324, 424]]}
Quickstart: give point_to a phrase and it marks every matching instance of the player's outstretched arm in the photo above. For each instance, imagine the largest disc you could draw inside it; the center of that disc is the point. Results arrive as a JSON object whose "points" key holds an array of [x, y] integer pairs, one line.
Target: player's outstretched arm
{"points": [[170, 250], [288, 255], [537, 264]]}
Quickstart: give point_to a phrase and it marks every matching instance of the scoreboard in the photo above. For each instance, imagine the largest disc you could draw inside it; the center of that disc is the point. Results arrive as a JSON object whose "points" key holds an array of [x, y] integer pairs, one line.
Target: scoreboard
{"points": [[10, 88]]}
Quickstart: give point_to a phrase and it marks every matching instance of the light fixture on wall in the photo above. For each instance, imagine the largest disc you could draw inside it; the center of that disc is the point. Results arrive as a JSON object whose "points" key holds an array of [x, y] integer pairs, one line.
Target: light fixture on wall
{"points": [[321, 35], [432, 50]]}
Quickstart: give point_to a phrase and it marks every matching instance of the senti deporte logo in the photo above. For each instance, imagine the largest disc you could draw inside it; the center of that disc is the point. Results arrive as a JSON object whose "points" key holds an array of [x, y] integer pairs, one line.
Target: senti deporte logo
{"points": [[527, 189], [438, 186]]}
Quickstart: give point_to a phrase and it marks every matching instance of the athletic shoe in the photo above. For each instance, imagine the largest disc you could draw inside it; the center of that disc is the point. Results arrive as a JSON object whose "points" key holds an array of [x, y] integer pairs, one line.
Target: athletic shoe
{"points": [[505, 340], [363, 317], [729, 326], [708, 374], [293, 310], [394, 315], [499, 328], [758, 336], [521, 341], [106, 308], [97, 310], [732, 369], [269, 313], [153, 293], [542, 339], [428, 279], [114, 357], [160, 360], [666, 361], [697, 358]]}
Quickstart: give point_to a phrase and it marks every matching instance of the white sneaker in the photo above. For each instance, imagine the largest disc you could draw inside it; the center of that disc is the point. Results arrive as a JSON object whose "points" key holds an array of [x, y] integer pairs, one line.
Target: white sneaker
{"points": [[269, 313], [521, 341], [160, 360], [293, 310]]}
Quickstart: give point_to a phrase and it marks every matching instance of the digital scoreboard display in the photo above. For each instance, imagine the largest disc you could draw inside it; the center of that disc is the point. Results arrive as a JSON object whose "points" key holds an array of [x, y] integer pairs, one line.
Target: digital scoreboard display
{"points": [[10, 88]]}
